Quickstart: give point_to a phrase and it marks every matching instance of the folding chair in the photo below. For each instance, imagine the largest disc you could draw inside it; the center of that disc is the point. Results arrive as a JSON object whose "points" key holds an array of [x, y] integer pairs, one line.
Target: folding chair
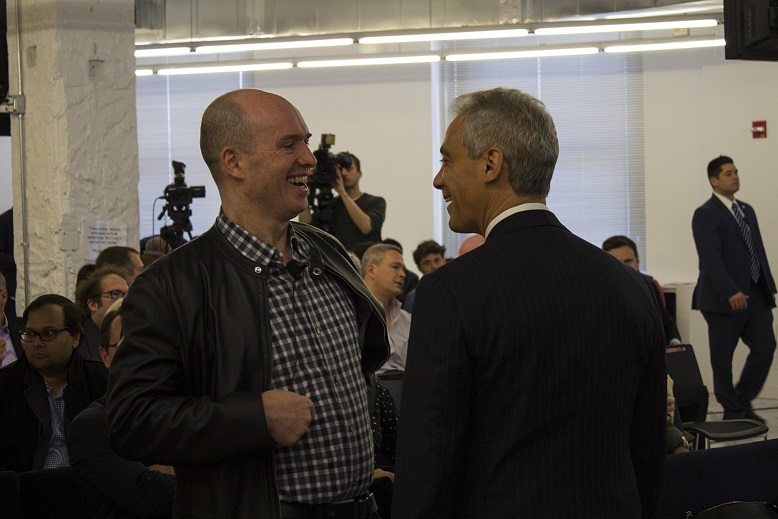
{"points": [[691, 399]]}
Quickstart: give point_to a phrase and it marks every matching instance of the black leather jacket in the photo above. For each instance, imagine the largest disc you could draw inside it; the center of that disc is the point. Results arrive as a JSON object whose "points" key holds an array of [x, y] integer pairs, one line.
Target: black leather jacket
{"points": [[185, 385]]}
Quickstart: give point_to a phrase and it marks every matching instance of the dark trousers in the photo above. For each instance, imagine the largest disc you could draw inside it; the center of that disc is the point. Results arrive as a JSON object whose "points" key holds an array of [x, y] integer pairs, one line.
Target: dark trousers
{"points": [[755, 327]]}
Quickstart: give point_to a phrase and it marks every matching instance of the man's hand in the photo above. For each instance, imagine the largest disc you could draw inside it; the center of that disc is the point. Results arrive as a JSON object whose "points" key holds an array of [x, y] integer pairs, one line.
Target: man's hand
{"points": [[337, 184], [288, 415], [738, 301], [165, 469]]}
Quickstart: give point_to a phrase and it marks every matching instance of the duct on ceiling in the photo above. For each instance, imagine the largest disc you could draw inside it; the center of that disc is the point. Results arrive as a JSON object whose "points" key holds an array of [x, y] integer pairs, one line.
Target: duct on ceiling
{"points": [[160, 20]]}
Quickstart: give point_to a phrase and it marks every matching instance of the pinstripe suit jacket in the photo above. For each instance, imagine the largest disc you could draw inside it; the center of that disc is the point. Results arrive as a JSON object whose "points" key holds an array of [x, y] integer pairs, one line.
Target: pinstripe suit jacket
{"points": [[724, 258], [534, 385]]}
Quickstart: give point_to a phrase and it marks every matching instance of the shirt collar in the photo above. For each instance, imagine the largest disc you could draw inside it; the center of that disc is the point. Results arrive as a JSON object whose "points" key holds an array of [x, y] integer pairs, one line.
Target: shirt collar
{"points": [[726, 201], [255, 249], [532, 206]]}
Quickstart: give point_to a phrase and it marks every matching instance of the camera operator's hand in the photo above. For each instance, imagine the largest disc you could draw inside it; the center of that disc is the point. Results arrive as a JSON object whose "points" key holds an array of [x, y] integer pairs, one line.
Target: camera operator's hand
{"points": [[337, 184]]}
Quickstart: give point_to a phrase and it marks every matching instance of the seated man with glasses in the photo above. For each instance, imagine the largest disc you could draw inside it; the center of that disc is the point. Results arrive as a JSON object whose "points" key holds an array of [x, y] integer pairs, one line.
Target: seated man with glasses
{"points": [[112, 486], [95, 295], [46, 388]]}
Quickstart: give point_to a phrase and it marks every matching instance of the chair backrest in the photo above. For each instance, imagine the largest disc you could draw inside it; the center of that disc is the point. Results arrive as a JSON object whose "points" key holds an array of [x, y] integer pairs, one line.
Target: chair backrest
{"points": [[51, 493], [691, 394]]}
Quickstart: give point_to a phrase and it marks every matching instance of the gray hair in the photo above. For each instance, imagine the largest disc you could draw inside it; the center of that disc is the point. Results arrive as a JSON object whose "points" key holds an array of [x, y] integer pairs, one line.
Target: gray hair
{"points": [[520, 126], [374, 255]]}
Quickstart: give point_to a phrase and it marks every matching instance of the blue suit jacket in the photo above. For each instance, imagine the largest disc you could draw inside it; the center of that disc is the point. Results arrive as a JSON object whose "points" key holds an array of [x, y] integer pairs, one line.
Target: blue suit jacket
{"points": [[724, 258], [537, 381]]}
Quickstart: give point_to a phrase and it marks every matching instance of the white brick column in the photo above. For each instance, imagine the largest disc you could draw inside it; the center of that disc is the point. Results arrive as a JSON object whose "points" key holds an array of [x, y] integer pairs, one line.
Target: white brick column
{"points": [[79, 134]]}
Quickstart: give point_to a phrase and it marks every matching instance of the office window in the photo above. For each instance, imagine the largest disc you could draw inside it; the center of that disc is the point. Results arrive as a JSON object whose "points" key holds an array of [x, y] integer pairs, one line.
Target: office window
{"points": [[596, 102], [169, 110]]}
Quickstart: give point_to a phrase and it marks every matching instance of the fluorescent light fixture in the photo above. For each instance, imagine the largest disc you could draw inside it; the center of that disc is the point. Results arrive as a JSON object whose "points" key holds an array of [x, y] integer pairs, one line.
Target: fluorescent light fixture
{"points": [[445, 36], [218, 69], [672, 45], [670, 11], [534, 53], [357, 62], [273, 45], [161, 52], [144, 72], [625, 27]]}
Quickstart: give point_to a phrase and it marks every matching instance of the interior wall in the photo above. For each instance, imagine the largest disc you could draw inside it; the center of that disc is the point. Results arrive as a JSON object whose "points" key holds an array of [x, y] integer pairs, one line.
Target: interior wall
{"points": [[382, 115], [698, 106]]}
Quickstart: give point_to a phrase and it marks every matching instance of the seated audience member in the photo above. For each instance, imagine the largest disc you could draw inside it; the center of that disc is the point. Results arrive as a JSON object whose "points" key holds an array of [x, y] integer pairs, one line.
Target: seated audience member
{"points": [[411, 278], [383, 270], [10, 342], [676, 442], [383, 420], [626, 251], [84, 272], [471, 242], [95, 295], [150, 256], [125, 258], [156, 242], [428, 256], [46, 388], [111, 486]]}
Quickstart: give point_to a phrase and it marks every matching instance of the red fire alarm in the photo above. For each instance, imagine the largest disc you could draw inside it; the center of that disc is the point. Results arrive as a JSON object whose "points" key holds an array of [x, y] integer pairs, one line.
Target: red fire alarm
{"points": [[759, 129]]}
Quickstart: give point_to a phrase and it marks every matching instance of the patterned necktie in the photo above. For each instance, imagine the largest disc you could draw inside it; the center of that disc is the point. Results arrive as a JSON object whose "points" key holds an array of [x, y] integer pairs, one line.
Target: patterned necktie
{"points": [[745, 230]]}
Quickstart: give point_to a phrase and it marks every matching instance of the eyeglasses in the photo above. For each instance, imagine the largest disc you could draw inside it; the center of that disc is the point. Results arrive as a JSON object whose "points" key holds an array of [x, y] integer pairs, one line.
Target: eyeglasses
{"points": [[113, 294], [49, 334]]}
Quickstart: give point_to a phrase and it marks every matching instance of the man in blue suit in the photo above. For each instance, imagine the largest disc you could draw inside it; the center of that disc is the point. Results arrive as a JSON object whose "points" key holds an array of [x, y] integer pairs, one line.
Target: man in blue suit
{"points": [[536, 361], [735, 290]]}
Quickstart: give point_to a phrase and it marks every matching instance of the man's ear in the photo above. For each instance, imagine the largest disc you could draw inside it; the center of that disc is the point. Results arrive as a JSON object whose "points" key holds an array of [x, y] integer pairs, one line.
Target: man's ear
{"points": [[232, 161], [92, 305], [493, 163]]}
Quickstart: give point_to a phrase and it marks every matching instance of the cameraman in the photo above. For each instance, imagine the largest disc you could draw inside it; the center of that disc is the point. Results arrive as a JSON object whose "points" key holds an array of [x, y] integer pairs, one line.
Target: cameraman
{"points": [[357, 216]]}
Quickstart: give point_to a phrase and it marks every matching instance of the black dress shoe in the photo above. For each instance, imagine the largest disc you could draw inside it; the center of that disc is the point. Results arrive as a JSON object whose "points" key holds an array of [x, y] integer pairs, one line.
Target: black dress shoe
{"points": [[751, 415]]}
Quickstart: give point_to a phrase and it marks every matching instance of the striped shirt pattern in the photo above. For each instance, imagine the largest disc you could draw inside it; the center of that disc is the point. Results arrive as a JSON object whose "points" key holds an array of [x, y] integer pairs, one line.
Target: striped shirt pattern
{"points": [[57, 455], [316, 353]]}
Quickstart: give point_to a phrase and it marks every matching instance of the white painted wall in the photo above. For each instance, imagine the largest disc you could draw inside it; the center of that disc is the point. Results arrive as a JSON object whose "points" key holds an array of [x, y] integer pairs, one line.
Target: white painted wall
{"points": [[698, 106]]}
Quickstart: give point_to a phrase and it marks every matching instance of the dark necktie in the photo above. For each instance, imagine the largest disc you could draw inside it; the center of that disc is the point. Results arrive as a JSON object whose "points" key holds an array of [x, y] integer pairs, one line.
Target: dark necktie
{"points": [[745, 230]]}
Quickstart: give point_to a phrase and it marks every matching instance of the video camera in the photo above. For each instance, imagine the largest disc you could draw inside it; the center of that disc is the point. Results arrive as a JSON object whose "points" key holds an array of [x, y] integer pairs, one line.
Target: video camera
{"points": [[320, 197], [178, 196]]}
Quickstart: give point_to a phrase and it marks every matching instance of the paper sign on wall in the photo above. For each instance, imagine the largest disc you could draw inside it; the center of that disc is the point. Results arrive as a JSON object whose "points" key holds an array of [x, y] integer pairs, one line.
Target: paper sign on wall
{"points": [[97, 235]]}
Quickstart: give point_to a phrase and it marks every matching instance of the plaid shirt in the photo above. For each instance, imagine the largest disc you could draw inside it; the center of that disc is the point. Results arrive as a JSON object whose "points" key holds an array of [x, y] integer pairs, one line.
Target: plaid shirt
{"points": [[57, 455], [316, 353]]}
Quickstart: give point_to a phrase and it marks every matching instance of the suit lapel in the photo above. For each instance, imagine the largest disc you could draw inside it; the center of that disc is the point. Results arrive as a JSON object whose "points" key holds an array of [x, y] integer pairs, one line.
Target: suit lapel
{"points": [[728, 216]]}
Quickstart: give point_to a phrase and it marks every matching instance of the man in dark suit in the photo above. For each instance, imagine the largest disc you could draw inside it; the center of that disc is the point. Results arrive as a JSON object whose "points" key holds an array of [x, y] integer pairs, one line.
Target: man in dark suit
{"points": [[10, 342], [735, 290], [536, 361]]}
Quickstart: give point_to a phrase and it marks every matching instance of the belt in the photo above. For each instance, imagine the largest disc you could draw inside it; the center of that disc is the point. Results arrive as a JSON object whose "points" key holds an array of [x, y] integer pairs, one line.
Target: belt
{"points": [[358, 508]]}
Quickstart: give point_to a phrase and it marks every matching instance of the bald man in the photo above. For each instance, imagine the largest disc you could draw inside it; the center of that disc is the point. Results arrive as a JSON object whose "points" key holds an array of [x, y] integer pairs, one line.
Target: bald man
{"points": [[246, 351]]}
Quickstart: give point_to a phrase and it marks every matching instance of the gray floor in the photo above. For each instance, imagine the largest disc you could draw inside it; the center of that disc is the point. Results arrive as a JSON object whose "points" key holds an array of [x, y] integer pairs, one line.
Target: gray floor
{"points": [[765, 406]]}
